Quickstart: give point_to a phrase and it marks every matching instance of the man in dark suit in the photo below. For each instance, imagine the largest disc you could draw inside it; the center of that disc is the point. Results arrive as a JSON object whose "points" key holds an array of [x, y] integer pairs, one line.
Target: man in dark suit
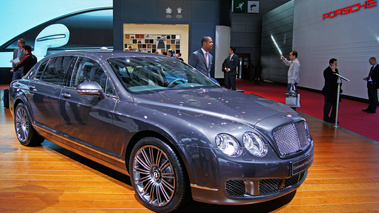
{"points": [[231, 64], [202, 59], [330, 91], [18, 55], [372, 86]]}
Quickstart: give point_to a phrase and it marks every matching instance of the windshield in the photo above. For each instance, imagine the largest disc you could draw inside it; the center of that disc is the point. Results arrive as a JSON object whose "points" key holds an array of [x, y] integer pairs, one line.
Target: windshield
{"points": [[146, 74]]}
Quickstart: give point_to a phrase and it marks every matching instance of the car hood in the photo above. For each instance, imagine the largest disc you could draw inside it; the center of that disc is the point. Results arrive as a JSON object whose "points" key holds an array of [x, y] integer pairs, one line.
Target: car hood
{"points": [[221, 103]]}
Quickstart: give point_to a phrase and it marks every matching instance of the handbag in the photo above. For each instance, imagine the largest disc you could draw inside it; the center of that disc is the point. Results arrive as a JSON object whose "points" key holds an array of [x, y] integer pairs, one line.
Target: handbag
{"points": [[292, 97]]}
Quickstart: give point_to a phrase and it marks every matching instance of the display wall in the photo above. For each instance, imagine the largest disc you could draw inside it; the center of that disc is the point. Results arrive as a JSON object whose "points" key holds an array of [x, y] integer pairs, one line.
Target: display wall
{"points": [[152, 42], [202, 17], [277, 31], [351, 37], [246, 29], [152, 38], [321, 30]]}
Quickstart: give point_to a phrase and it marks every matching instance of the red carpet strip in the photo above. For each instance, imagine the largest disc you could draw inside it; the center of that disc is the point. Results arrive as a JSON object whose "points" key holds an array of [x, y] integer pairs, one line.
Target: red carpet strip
{"points": [[351, 117]]}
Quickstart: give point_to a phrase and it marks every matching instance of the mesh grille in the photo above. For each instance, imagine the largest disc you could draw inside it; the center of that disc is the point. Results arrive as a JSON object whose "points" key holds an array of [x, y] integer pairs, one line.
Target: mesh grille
{"points": [[291, 138], [302, 134], [235, 188], [270, 186]]}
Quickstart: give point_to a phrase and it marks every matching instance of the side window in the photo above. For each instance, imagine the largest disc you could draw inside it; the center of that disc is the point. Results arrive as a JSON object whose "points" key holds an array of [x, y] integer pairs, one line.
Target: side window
{"points": [[56, 71], [52, 74], [88, 70], [40, 70]]}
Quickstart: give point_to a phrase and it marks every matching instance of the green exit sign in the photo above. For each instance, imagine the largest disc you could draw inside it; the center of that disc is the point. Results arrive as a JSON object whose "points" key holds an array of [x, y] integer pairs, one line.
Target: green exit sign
{"points": [[239, 6]]}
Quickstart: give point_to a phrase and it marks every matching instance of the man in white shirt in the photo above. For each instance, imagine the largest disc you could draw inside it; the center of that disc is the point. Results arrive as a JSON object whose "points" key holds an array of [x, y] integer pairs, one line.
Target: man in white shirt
{"points": [[294, 70], [18, 55]]}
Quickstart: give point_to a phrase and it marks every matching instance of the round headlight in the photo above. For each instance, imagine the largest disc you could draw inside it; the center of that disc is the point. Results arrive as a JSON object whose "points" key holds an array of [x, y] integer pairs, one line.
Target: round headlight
{"points": [[228, 145], [254, 144]]}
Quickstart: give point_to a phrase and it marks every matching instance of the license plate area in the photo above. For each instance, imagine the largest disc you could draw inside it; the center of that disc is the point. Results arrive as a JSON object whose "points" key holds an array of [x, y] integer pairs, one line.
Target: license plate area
{"points": [[302, 165]]}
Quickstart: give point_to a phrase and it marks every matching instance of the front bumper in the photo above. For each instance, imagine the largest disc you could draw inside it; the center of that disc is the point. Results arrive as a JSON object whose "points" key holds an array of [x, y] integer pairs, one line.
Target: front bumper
{"points": [[247, 182]]}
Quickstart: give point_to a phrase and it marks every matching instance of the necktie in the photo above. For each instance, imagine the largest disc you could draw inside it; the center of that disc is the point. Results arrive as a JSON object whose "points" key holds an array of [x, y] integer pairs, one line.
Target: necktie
{"points": [[369, 75], [206, 59]]}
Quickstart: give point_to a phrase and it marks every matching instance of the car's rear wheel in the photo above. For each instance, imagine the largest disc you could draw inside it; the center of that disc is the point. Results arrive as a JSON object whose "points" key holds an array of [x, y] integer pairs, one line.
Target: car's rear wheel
{"points": [[24, 129], [157, 175]]}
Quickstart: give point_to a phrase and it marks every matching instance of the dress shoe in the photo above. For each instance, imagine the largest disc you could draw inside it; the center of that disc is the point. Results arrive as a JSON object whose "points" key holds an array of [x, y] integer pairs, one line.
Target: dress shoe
{"points": [[370, 111], [365, 110]]}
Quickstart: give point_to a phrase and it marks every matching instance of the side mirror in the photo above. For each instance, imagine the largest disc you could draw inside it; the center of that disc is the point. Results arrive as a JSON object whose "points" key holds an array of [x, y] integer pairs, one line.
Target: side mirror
{"points": [[90, 88]]}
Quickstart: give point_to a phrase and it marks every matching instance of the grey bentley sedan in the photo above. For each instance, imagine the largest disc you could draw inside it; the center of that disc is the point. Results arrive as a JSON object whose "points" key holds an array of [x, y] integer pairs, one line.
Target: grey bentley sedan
{"points": [[174, 131]]}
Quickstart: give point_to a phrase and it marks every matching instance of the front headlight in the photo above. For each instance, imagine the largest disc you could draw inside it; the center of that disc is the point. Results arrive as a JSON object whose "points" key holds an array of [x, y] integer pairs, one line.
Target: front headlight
{"points": [[228, 145], [254, 144]]}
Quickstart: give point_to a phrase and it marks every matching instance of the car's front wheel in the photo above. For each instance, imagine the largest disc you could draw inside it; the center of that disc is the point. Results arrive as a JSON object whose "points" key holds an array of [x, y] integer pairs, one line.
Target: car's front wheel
{"points": [[24, 129], [157, 175]]}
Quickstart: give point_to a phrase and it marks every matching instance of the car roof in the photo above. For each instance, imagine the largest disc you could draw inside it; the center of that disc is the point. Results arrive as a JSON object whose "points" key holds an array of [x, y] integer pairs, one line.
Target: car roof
{"points": [[104, 54]]}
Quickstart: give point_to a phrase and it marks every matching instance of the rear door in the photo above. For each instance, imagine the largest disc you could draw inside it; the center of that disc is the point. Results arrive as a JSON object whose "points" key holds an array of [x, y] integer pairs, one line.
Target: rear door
{"points": [[45, 91]]}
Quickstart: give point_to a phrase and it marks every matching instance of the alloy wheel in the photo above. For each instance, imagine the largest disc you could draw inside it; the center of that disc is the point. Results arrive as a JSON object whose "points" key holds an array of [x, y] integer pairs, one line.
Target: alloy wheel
{"points": [[154, 176], [22, 124]]}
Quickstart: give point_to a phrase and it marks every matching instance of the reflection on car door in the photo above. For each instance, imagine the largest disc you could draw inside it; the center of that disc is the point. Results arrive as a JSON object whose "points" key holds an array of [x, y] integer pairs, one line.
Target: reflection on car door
{"points": [[45, 90], [88, 118]]}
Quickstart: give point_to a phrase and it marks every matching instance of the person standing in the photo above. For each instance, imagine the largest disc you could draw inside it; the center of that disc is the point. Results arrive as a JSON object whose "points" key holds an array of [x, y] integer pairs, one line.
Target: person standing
{"points": [[18, 55], [330, 91], [171, 53], [27, 62], [294, 69], [231, 64], [179, 56], [372, 86], [202, 59]]}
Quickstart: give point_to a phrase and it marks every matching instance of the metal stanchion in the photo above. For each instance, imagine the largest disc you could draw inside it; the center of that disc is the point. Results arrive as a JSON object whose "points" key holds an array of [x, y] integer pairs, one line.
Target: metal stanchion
{"points": [[339, 82]]}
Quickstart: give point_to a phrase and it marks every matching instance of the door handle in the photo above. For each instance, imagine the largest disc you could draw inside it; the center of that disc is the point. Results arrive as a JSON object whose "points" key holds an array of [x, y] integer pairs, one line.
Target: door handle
{"points": [[66, 95]]}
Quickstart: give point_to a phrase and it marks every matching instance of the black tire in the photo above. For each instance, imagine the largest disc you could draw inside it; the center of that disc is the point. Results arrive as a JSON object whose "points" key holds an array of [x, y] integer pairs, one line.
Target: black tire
{"points": [[24, 129], [157, 175]]}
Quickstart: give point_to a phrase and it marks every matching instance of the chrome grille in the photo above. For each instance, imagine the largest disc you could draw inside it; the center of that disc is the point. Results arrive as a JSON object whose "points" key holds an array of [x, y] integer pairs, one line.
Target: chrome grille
{"points": [[292, 138]]}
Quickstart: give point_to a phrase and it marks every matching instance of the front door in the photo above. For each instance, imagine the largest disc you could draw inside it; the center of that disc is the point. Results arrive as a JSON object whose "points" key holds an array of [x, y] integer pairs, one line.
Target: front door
{"points": [[88, 118]]}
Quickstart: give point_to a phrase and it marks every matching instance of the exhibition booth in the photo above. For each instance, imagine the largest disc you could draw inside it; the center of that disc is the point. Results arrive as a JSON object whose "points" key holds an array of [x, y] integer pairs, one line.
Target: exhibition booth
{"points": [[318, 30]]}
